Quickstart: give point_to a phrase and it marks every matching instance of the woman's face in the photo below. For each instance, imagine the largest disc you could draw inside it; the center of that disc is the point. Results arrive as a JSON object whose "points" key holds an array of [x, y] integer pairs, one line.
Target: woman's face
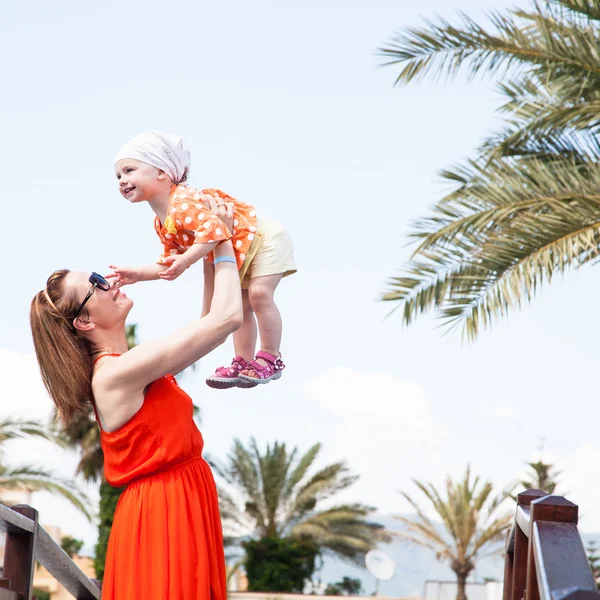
{"points": [[105, 309]]}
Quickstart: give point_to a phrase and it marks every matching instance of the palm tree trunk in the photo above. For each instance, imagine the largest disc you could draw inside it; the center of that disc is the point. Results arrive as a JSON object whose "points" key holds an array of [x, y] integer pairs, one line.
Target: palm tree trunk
{"points": [[461, 580]]}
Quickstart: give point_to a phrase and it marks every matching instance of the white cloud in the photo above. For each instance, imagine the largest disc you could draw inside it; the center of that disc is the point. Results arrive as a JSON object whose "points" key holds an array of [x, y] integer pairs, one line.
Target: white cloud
{"points": [[581, 478], [501, 411], [23, 392], [382, 427], [374, 399]]}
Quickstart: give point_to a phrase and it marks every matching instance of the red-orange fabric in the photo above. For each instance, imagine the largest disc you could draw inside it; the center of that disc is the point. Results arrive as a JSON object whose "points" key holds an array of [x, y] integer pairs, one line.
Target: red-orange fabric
{"points": [[166, 542]]}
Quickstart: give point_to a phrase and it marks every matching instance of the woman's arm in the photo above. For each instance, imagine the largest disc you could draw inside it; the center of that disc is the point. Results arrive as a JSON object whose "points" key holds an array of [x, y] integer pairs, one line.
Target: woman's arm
{"points": [[209, 287], [148, 361]]}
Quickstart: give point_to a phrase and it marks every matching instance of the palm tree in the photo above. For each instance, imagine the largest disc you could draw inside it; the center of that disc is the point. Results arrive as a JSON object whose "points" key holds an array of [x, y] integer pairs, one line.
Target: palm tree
{"points": [[541, 476], [467, 515], [271, 496], [33, 478], [527, 206]]}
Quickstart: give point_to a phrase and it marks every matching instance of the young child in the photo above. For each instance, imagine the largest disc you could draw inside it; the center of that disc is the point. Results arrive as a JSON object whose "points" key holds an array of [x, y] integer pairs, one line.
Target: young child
{"points": [[153, 167]]}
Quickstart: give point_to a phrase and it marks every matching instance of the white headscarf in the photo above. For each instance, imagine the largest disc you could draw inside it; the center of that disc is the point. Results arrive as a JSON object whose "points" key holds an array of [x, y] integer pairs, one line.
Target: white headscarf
{"points": [[161, 150]]}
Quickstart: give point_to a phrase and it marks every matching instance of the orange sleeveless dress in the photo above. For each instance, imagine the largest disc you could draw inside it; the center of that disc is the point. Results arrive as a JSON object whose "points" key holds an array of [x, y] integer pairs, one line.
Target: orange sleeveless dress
{"points": [[166, 542]]}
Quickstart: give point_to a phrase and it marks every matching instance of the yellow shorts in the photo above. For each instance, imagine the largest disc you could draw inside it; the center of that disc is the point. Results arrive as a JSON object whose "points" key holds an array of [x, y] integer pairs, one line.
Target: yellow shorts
{"points": [[275, 253]]}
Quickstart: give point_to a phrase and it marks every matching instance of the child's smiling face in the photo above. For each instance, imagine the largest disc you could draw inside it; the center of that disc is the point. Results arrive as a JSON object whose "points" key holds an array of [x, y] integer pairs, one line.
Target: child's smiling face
{"points": [[139, 182]]}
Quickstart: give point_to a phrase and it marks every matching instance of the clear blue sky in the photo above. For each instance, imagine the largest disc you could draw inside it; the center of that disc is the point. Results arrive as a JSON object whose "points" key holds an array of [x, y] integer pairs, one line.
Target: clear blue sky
{"points": [[283, 105]]}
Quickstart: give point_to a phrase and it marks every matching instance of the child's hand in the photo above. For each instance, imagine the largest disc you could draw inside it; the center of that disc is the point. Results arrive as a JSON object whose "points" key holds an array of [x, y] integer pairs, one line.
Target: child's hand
{"points": [[179, 264], [123, 275]]}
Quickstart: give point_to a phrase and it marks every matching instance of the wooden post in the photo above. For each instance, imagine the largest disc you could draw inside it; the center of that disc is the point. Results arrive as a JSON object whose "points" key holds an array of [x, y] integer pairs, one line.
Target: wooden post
{"points": [[509, 564], [550, 508], [521, 547], [19, 555]]}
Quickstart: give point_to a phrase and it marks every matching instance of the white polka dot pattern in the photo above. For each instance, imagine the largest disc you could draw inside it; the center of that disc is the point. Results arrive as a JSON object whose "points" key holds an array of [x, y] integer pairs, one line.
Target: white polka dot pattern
{"points": [[192, 209]]}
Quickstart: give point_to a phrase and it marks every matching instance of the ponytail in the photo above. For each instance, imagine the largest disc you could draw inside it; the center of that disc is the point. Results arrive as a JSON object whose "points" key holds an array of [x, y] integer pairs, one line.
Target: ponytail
{"points": [[63, 354]]}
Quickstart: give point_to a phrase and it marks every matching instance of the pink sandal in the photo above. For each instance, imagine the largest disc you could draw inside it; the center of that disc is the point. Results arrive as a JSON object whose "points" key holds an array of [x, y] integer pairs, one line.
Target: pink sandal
{"points": [[228, 377], [272, 370]]}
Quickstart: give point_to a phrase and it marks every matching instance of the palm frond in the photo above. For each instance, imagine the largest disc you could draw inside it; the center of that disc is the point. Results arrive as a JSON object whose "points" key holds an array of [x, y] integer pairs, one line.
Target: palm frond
{"points": [[440, 47], [494, 532], [273, 468], [245, 472], [279, 498], [34, 479], [342, 531], [545, 112], [322, 485], [425, 532], [12, 428], [464, 533], [301, 469], [83, 435], [587, 8], [493, 242], [528, 206], [440, 553]]}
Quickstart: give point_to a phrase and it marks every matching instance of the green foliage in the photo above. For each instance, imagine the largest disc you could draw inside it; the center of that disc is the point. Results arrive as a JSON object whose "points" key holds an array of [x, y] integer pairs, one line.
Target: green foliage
{"points": [[594, 560], [542, 476], [41, 594], [109, 496], [274, 495], [527, 206], [71, 545], [31, 477], [279, 564], [348, 586]]}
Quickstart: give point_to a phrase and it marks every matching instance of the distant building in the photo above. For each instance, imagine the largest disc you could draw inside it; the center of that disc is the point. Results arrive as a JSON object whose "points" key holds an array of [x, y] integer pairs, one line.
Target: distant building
{"points": [[42, 580], [446, 590]]}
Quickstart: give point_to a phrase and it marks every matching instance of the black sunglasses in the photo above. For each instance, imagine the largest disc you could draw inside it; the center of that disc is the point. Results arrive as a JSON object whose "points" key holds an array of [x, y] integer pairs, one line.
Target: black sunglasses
{"points": [[97, 281]]}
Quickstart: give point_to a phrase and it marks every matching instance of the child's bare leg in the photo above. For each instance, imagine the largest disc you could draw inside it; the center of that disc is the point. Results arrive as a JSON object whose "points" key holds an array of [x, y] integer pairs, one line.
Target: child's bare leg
{"points": [[244, 339], [261, 296]]}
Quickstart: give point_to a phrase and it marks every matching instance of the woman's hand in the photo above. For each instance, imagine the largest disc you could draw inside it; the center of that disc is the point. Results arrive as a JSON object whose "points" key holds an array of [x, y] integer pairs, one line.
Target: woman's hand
{"points": [[223, 210]]}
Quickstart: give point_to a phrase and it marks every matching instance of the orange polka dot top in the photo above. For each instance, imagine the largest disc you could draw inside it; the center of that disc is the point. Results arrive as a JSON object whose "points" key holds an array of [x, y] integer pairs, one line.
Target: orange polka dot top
{"points": [[190, 221]]}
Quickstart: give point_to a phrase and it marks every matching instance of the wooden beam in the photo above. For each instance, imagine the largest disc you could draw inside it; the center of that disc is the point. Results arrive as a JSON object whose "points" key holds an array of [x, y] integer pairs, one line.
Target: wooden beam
{"points": [[558, 565], [19, 555], [11, 520], [562, 565], [521, 542], [508, 575], [523, 519]]}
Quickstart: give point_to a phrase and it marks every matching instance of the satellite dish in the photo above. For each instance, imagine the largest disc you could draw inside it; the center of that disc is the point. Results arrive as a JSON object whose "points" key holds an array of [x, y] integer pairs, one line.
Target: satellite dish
{"points": [[380, 565]]}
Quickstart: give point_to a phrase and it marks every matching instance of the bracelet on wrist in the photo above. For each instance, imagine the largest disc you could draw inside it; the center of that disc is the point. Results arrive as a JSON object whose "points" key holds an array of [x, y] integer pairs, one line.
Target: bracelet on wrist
{"points": [[230, 259]]}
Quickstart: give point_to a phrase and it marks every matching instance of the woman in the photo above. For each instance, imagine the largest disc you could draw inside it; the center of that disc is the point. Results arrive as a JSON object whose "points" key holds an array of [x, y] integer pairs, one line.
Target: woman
{"points": [[166, 541]]}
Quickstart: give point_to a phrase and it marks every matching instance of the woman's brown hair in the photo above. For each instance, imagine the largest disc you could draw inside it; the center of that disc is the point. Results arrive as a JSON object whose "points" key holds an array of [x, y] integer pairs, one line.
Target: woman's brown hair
{"points": [[63, 353]]}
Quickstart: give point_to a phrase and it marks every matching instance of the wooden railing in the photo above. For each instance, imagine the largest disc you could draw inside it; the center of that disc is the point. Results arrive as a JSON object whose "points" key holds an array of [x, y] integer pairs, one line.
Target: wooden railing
{"points": [[28, 542], [545, 556]]}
